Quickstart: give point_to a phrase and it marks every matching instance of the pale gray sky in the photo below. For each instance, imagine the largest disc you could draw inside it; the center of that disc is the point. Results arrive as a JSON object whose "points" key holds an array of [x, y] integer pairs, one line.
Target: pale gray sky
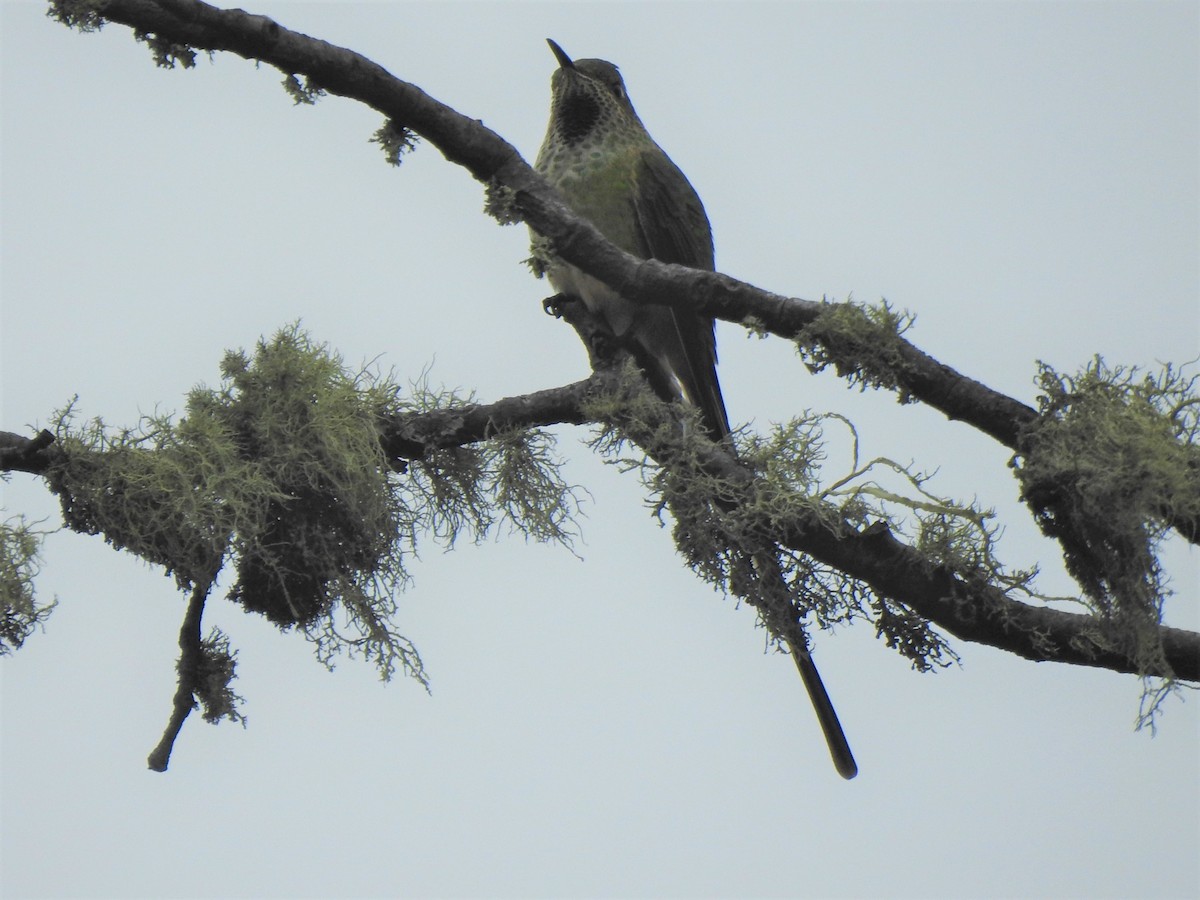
{"points": [[1023, 176]]}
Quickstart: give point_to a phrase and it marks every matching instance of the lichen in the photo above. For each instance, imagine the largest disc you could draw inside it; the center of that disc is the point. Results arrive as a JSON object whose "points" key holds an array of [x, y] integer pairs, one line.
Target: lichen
{"points": [[1110, 465], [500, 202], [167, 53], [83, 15], [305, 93], [20, 610], [212, 683], [395, 140], [725, 530], [861, 342], [279, 474]]}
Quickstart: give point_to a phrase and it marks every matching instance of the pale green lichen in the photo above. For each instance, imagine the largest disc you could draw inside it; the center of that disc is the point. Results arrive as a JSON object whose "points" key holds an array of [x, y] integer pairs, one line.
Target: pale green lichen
{"points": [[83, 15], [167, 53], [395, 139], [723, 531], [211, 684], [20, 610], [305, 93], [541, 253], [862, 343], [500, 202], [1109, 467], [279, 473]]}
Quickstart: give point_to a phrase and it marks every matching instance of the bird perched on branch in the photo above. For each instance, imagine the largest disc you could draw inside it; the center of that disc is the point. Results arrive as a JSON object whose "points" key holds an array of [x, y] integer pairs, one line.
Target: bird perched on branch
{"points": [[610, 171]]}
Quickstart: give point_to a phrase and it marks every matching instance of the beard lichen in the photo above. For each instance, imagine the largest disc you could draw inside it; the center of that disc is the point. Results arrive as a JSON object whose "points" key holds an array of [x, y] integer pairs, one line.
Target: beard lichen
{"points": [[395, 140], [1109, 467], [730, 524], [862, 343], [20, 610], [279, 475], [216, 670]]}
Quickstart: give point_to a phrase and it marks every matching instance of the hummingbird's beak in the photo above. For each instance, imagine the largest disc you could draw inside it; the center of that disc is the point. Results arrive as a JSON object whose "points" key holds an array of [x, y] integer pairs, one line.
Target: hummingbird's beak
{"points": [[564, 61]]}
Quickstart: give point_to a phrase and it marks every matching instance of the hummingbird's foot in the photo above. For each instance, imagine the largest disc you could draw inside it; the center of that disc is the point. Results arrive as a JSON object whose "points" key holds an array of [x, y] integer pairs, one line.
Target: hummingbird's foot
{"points": [[603, 346], [554, 306]]}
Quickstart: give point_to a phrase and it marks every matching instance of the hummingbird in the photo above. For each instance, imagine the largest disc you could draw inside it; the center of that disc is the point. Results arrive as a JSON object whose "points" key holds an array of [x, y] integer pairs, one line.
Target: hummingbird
{"points": [[606, 166], [602, 160]]}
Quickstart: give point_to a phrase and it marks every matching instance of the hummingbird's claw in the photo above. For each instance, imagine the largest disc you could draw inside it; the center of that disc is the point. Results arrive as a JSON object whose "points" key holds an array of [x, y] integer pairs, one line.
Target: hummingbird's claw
{"points": [[553, 306]]}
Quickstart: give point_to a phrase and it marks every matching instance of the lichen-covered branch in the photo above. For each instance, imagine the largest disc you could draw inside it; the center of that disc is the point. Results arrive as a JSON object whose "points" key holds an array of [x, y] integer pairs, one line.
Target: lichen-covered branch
{"points": [[983, 613], [861, 344], [315, 497], [492, 160], [865, 551], [721, 504]]}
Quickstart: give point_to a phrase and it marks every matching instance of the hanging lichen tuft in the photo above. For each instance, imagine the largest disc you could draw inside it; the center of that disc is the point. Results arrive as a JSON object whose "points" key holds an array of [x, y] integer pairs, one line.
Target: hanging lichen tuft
{"points": [[279, 474], [329, 522], [20, 611], [1110, 465]]}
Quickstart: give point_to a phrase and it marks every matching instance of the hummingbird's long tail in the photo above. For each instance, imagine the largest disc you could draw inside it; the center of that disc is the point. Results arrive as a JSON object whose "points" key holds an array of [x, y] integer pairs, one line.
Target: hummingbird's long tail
{"points": [[839, 747]]}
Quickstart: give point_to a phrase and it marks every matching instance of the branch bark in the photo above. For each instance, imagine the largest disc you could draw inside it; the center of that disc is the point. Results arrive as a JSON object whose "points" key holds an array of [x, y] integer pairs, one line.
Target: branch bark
{"points": [[190, 656]]}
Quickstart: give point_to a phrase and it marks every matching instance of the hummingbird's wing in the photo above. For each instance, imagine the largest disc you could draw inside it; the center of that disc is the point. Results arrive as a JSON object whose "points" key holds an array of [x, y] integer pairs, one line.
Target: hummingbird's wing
{"points": [[673, 228]]}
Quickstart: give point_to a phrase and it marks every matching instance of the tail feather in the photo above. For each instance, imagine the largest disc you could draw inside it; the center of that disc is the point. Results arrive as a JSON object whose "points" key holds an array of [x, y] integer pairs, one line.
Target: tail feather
{"points": [[839, 747]]}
